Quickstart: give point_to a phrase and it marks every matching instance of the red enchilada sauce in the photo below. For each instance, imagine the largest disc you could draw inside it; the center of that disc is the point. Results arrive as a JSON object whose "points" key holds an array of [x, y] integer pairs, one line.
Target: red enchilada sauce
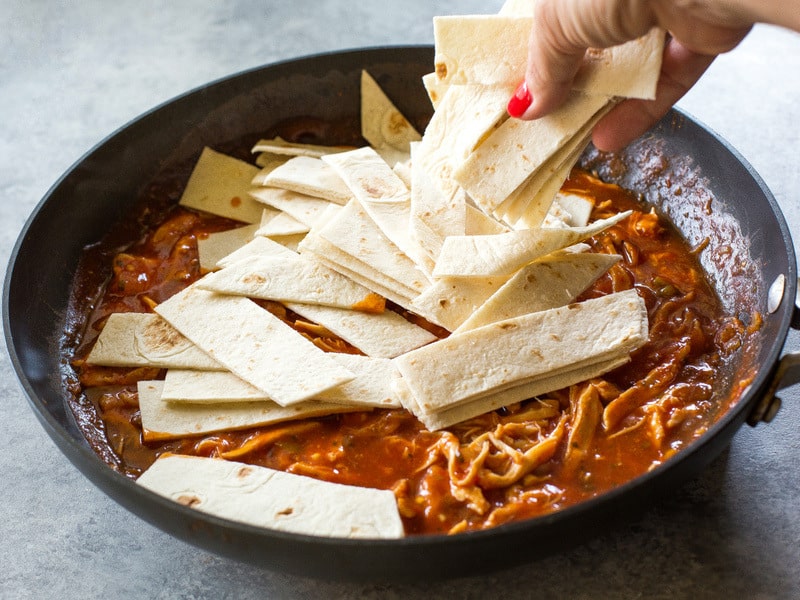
{"points": [[521, 461]]}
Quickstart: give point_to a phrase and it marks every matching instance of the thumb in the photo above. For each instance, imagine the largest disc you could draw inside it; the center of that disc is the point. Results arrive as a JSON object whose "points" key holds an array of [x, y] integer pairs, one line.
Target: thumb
{"points": [[562, 32]]}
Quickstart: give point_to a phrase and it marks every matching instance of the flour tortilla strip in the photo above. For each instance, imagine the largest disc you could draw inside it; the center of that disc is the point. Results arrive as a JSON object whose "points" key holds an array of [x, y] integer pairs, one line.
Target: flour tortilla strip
{"points": [[146, 340], [368, 176], [510, 353], [448, 302], [466, 116], [479, 223], [382, 124], [381, 193], [331, 256], [267, 162], [505, 253], [354, 232], [492, 50], [430, 212], [309, 176], [517, 8], [493, 401], [554, 280], [291, 279], [173, 420], [383, 335], [530, 202], [369, 389], [436, 90], [219, 185], [438, 201], [577, 207], [517, 149], [278, 145], [253, 344], [273, 499], [306, 209], [281, 224], [258, 246], [403, 171], [215, 246]]}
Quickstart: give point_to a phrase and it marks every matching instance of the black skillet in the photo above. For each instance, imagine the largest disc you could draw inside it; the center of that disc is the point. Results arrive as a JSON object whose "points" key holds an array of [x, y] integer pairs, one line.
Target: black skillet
{"points": [[685, 170]]}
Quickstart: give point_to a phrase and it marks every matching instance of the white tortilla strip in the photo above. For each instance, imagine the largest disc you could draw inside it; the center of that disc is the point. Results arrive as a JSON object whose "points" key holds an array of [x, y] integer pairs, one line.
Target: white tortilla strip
{"points": [[281, 224], [368, 176], [172, 420], [309, 176], [403, 171], [554, 280], [215, 246], [253, 344], [306, 209], [530, 203], [449, 302], [329, 255], [492, 50], [146, 340], [577, 207], [479, 223], [292, 242], [268, 163], [383, 335], [382, 124], [517, 8], [278, 145], [505, 253], [219, 185], [258, 246], [438, 205], [273, 499], [466, 116], [381, 193], [354, 232], [493, 401], [436, 90], [510, 353], [291, 279], [369, 389], [517, 149]]}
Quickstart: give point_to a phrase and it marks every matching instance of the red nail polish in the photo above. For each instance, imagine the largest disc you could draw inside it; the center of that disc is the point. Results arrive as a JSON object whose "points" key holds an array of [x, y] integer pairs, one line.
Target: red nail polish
{"points": [[520, 101]]}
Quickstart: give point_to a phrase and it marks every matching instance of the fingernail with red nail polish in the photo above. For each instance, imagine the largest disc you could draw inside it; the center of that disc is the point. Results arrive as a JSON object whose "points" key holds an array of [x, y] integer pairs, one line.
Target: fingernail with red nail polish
{"points": [[520, 101]]}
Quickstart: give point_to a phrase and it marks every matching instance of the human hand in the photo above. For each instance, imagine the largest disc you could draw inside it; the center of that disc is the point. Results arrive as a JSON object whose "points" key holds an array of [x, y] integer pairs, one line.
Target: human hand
{"points": [[564, 29]]}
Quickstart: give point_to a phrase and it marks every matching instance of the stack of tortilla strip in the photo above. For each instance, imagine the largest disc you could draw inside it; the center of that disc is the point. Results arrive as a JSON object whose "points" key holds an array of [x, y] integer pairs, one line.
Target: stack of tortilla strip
{"points": [[464, 226]]}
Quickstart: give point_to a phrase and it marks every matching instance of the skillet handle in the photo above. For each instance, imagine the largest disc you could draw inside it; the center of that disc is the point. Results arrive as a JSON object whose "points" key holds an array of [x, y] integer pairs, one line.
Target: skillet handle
{"points": [[787, 373]]}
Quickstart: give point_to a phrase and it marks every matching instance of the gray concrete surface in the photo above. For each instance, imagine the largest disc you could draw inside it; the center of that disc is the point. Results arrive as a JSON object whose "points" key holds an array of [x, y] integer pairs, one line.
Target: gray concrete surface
{"points": [[72, 72]]}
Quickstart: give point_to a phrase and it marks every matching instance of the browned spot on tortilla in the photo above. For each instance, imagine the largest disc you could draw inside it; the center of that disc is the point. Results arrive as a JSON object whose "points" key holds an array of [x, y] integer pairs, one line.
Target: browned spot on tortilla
{"points": [[161, 336], [254, 278], [285, 512], [397, 123], [236, 201], [441, 70], [189, 500], [507, 325], [594, 54], [244, 472], [371, 303]]}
